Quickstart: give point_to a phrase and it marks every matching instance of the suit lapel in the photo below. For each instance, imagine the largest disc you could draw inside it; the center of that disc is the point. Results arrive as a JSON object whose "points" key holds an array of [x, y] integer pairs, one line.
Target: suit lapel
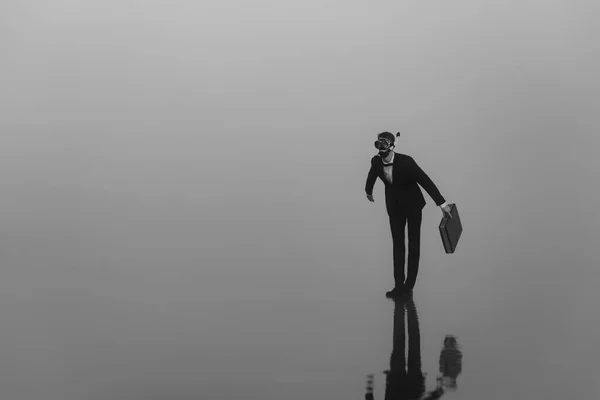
{"points": [[396, 168]]}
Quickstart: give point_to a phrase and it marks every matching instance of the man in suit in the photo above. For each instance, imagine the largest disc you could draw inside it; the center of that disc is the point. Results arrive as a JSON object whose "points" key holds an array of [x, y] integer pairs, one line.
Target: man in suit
{"points": [[404, 203]]}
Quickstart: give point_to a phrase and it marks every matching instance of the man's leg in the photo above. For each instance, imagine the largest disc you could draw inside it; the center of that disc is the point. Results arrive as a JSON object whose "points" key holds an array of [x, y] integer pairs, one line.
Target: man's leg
{"points": [[414, 247], [398, 225]]}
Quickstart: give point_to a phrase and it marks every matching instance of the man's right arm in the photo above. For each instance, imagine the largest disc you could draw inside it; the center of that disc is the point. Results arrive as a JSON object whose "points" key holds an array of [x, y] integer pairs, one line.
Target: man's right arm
{"points": [[371, 178]]}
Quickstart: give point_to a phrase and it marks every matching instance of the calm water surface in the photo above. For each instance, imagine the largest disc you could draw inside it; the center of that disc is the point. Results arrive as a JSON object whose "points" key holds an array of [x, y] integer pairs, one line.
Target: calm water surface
{"points": [[132, 310]]}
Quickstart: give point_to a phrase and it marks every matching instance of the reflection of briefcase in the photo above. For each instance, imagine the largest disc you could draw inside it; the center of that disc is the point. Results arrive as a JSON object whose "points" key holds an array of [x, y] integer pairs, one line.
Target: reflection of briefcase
{"points": [[450, 229]]}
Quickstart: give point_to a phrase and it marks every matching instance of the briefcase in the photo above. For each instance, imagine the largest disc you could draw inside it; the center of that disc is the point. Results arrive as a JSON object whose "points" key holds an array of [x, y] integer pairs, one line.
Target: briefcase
{"points": [[450, 229]]}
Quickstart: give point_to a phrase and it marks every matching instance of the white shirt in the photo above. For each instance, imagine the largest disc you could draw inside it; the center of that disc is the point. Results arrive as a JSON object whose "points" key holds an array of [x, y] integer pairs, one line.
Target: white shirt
{"points": [[389, 169]]}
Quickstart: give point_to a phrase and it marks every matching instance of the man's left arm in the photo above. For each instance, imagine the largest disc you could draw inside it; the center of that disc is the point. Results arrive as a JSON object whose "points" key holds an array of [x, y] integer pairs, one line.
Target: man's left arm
{"points": [[427, 184]]}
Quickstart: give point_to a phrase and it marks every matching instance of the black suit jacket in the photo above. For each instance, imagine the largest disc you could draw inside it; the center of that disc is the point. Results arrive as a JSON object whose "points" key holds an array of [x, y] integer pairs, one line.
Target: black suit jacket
{"points": [[404, 195]]}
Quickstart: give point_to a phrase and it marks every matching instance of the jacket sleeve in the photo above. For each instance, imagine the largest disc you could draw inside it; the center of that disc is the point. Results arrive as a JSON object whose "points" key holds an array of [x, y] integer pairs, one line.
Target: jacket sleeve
{"points": [[371, 178], [426, 183]]}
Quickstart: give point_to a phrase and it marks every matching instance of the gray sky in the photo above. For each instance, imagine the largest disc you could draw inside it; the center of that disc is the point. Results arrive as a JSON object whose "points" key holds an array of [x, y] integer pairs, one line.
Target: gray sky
{"points": [[185, 155]]}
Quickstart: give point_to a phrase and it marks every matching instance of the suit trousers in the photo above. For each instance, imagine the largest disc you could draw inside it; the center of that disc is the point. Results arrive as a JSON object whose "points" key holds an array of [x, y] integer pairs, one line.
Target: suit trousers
{"points": [[398, 224]]}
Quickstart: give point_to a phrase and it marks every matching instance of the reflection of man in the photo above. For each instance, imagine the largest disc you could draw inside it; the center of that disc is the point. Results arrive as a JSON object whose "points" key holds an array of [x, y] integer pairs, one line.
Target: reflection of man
{"points": [[405, 379], [404, 202]]}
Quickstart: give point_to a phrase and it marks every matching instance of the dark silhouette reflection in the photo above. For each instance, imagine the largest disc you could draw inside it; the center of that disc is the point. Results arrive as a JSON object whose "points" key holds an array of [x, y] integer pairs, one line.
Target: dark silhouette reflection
{"points": [[405, 379], [369, 395]]}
